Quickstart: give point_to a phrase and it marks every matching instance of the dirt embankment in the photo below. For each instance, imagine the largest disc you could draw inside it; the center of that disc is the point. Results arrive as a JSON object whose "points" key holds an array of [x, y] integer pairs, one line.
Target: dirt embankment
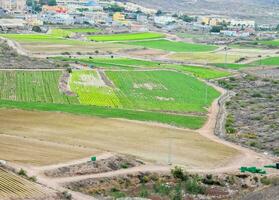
{"points": [[252, 113], [95, 167], [11, 59]]}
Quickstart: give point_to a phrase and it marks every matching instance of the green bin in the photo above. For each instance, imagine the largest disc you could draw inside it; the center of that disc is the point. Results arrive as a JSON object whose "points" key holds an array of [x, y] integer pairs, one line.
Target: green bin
{"points": [[93, 158]]}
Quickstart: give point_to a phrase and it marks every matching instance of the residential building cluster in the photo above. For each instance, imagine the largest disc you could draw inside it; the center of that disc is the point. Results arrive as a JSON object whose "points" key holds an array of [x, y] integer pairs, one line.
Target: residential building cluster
{"points": [[127, 15]]}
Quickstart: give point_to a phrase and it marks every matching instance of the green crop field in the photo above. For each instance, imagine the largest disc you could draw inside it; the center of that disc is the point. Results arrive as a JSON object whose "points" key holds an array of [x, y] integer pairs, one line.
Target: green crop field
{"points": [[192, 122], [61, 33], [83, 30], [271, 61], [126, 37], [173, 46], [31, 37], [32, 87], [270, 42], [123, 63], [42, 38], [232, 65], [39, 91], [71, 31], [149, 90], [127, 63], [201, 72]]}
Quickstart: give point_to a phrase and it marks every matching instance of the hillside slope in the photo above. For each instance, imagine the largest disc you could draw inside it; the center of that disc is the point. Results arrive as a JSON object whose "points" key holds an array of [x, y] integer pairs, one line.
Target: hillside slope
{"points": [[263, 11]]}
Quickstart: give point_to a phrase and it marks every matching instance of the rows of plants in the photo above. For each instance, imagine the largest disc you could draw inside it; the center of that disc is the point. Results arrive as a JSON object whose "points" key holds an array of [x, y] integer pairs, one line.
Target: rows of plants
{"points": [[26, 86], [14, 187]]}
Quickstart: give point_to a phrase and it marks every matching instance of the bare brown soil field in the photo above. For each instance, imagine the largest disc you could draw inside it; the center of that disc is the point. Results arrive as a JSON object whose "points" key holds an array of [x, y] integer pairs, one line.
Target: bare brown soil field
{"points": [[146, 141], [144, 53], [34, 152]]}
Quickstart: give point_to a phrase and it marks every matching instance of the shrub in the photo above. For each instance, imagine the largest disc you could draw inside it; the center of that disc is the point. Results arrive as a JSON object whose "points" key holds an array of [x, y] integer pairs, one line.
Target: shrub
{"points": [[143, 192], [193, 187], [115, 193], [67, 195], [178, 173], [265, 180], [33, 178], [161, 188], [22, 172], [257, 95], [124, 165]]}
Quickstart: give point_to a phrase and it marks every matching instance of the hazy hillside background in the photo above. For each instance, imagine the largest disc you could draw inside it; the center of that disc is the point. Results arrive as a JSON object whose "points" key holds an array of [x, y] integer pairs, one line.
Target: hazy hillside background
{"points": [[264, 11]]}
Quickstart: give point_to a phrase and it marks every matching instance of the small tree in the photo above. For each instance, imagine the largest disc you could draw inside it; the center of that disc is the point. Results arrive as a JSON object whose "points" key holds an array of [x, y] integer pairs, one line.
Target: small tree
{"points": [[36, 29], [216, 29], [159, 13]]}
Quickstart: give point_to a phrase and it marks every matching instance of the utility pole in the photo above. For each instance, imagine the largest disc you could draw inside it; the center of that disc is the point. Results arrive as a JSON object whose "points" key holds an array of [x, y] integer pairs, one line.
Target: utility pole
{"points": [[226, 57]]}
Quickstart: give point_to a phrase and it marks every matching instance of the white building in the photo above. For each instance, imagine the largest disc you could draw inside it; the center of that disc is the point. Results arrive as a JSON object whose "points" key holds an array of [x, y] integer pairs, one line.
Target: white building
{"points": [[163, 20], [55, 18], [244, 23]]}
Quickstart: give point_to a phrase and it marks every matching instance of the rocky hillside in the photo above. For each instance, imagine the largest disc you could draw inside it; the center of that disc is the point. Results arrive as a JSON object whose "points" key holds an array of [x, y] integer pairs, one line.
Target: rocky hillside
{"points": [[263, 11]]}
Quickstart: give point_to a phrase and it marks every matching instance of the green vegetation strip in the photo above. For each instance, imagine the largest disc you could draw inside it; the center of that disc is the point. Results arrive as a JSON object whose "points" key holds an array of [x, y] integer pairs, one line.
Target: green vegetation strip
{"points": [[57, 38], [232, 65], [127, 63], [271, 61], [173, 46], [126, 37], [274, 43], [192, 122]]}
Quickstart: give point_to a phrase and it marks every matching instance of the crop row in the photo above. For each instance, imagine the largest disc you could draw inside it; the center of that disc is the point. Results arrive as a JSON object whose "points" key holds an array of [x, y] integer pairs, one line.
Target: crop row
{"points": [[32, 87], [12, 186]]}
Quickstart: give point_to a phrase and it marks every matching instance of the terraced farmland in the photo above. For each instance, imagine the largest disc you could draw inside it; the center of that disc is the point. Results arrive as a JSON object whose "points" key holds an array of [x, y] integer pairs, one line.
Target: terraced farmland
{"points": [[27, 86], [148, 90], [173, 46], [14, 187], [126, 37], [127, 63]]}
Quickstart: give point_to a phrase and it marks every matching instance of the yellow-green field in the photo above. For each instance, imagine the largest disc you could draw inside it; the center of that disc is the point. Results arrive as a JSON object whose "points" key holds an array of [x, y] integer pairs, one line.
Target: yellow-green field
{"points": [[204, 58]]}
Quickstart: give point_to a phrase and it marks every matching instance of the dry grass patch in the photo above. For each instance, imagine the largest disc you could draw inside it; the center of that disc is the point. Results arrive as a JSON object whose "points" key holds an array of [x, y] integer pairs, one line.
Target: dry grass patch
{"points": [[73, 47], [203, 58]]}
